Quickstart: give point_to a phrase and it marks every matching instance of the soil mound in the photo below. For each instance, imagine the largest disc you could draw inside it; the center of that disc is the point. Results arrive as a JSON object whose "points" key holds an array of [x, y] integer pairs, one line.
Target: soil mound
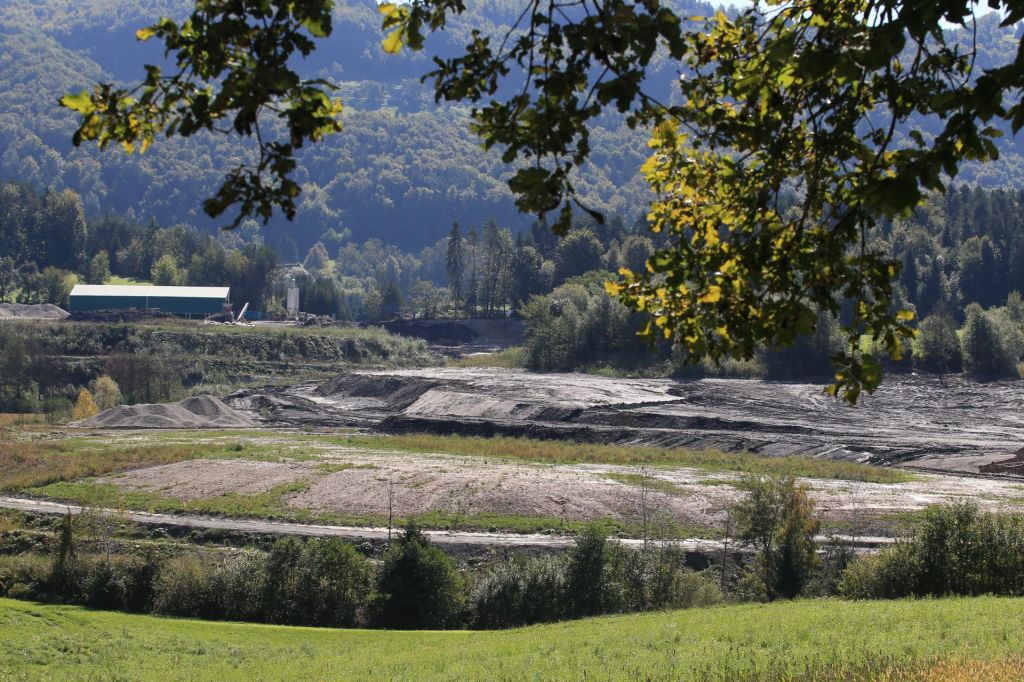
{"points": [[1014, 465], [199, 412], [21, 311], [394, 392]]}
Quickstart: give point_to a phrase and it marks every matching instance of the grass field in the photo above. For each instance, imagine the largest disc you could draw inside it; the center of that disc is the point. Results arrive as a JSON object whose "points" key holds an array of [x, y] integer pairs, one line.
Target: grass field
{"points": [[126, 281], [955, 639]]}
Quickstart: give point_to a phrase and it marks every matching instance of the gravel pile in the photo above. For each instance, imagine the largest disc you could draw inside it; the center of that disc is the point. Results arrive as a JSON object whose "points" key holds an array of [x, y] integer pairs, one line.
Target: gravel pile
{"points": [[21, 311], [199, 412]]}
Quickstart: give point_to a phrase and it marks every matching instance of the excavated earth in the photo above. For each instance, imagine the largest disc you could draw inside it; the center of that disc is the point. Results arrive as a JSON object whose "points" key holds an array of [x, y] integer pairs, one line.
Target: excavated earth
{"points": [[910, 421]]}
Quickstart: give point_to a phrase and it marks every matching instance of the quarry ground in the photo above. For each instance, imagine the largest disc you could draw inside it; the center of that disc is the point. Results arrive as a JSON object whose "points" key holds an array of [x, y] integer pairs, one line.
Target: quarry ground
{"points": [[351, 451], [338, 479], [913, 421]]}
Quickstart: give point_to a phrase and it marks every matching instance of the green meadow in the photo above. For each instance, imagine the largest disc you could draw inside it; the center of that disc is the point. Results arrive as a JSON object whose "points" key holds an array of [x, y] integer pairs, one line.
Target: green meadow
{"points": [[972, 639]]}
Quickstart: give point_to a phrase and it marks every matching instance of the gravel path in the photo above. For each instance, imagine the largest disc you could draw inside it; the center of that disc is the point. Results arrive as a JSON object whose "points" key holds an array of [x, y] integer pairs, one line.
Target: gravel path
{"points": [[447, 538]]}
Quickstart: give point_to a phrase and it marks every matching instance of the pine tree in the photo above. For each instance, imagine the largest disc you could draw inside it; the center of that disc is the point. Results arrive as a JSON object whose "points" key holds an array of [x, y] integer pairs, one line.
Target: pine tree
{"points": [[455, 263]]}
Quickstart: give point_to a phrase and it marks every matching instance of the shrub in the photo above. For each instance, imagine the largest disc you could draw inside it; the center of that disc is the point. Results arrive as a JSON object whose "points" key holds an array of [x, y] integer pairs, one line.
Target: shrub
{"points": [[85, 407], [586, 584], [106, 392], [985, 355], [956, 550], [654, 578], [25, 576], [184, 587], [519, 592], [418, 586], [890, 574], [239, 584], [118, 582], [317, 582]]}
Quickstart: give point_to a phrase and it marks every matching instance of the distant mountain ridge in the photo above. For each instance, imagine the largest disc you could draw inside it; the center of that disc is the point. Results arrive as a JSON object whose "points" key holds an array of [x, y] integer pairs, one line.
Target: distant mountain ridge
{"points": [[402, 170]]}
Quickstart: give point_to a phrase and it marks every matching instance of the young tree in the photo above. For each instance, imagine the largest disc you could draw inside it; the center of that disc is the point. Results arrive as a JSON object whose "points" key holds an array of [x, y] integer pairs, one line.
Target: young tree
{"points": [[8, 277], [317, 259], [455, 263], [55, 285], [106, 393], [418, 586], [165, 272], [390, 300], [578, 253], [99, 268], [937, 345], [64, 230], [427, 299], [472, 288], [84, 406], [983, 354], [635, 252], [777, 518]]}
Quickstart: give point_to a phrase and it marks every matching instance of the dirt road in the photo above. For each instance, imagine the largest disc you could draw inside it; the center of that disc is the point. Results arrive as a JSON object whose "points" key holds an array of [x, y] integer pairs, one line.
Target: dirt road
{"points": [[460, 539]]}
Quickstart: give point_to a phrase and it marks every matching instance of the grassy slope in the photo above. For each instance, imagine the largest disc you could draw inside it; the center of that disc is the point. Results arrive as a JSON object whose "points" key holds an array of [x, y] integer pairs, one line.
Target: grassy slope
{"points": [[70, 643]]}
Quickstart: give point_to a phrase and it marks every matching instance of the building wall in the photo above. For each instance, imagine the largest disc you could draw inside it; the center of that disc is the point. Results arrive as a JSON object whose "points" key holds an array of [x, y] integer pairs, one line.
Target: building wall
{"points": [[177, 306]]}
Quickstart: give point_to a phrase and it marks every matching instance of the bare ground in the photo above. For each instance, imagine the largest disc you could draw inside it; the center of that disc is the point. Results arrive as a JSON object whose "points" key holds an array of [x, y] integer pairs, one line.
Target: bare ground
{"points": [[352, 481], [910, 421]]}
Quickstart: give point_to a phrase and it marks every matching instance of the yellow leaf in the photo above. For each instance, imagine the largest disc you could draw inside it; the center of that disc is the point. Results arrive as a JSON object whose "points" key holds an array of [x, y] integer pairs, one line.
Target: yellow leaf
{"points": [[904, 315], [393, 43], [145, 33], [612, 288], [713, 295], [387, 9]]}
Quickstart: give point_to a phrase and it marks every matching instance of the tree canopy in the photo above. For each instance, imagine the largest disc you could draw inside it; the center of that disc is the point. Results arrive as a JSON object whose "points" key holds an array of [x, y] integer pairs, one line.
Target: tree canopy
{"points": [[772, 163]]}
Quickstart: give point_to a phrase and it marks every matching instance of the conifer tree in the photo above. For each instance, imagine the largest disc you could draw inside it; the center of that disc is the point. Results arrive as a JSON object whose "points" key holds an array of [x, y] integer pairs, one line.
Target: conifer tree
{"points": [[455, 263]]}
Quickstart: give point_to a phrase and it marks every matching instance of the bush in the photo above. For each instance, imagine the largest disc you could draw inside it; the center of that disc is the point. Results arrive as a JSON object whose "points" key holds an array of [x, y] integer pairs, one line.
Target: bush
{"points": [[890, 574], [987, 354], [418, 586], [654, 578], [25, 576], [184, 587], [519, 592], [956, 550], [579, 325], [317, 582], [119, 582], [586, 585]]}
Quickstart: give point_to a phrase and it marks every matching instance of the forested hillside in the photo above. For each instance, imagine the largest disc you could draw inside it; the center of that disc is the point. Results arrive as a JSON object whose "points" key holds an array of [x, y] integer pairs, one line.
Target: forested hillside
{"points": [[402, 171]]}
